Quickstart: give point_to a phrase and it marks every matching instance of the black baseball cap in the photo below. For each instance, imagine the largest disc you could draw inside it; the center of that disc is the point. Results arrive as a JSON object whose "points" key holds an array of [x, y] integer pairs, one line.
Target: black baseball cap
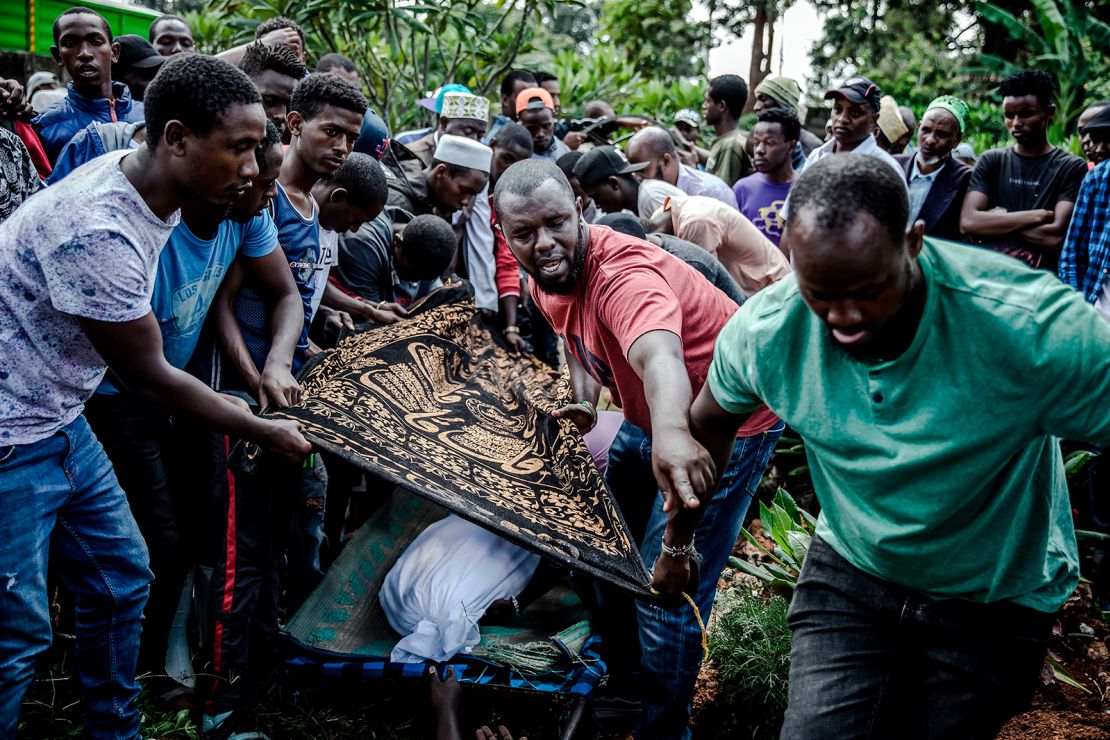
{"points": [[135, 52], [1100, 124], [858, 90], [602, 162]]}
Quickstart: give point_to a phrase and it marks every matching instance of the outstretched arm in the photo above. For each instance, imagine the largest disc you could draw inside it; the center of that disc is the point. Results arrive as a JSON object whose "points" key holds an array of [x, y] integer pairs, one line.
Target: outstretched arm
{"points": [[713, 427], [277, 37], [684, 470], [133, 349], [378, 313], [584, 390], [229, 336]]}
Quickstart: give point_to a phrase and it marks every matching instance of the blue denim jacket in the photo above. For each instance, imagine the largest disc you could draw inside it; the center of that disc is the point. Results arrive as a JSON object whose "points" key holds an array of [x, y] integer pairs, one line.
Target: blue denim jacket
{"points": [[92, 141], [60, 122]]}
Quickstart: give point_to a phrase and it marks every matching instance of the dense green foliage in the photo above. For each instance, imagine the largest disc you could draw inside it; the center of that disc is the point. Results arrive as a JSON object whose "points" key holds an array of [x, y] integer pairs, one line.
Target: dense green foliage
{"points": [[404, 50], [648, 56], [667, 44], [1061, 37], [749, 644]]}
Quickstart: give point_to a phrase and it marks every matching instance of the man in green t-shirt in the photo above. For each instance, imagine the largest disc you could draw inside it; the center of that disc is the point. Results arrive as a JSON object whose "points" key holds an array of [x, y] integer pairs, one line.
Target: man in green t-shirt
{"points": [[929, 382], [724, 104]]}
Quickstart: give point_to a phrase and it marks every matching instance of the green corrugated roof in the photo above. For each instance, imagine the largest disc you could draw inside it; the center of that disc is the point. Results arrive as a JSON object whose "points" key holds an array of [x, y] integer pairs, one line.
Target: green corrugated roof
{"points": [[16, 19]]}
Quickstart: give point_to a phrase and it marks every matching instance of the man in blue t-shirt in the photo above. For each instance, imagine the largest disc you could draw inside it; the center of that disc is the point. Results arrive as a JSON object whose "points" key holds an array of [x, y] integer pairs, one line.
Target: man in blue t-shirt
{"points": [[323, 189], [325, 119], [158, 457], [77, 270]]}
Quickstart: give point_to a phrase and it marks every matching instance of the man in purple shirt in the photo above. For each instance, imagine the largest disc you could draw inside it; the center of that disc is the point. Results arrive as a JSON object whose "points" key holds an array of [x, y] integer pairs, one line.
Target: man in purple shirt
{"points": [[761, 195]]}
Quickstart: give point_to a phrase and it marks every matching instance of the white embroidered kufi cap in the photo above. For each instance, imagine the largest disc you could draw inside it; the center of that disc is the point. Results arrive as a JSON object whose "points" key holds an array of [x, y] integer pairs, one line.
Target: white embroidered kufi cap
{"points": [[464, 105]]}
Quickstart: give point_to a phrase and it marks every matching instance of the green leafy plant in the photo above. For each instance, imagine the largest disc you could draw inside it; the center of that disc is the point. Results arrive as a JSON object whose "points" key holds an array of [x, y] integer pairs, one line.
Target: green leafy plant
{"points": [[402, 49], [1077, 461], [1075, 465], [661, 100], [169, 725], [791, 529], [749, 644], [1063, 37], [604, 74], [1061, 675]]}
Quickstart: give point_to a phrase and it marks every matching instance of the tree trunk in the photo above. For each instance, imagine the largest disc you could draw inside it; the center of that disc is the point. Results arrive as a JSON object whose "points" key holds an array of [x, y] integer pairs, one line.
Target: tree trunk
{"points": [[770, 48], [761, 53]]}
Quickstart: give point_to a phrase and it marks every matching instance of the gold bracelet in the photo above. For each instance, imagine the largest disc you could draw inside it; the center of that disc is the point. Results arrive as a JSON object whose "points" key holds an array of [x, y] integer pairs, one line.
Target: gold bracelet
{"points": [[512, 330]]}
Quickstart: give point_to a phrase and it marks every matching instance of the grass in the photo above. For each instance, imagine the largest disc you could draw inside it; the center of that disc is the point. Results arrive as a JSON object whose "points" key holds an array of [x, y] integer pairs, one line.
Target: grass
{"points": [[749, 644]]}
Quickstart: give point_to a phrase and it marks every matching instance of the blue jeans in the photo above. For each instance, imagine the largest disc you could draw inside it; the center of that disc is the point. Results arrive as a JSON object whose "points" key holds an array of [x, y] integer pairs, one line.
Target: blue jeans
{"points": [[872, 659], [59, 499], [670, 639]]}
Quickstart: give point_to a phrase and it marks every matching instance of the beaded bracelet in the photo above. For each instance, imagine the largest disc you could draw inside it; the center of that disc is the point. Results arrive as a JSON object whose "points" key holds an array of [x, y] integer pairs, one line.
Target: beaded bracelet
{"points": [[679, 551], [593, 413]]}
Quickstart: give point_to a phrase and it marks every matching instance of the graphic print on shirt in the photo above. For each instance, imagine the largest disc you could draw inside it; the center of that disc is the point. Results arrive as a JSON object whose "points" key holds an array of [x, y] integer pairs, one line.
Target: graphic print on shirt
{"points": [[189, 304], [593, 364], [305, 273], [769, 219]]}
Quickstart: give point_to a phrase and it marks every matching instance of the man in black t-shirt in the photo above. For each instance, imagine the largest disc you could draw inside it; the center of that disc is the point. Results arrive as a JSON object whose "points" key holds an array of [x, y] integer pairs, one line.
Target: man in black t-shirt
{"points": [[1020, 198]]}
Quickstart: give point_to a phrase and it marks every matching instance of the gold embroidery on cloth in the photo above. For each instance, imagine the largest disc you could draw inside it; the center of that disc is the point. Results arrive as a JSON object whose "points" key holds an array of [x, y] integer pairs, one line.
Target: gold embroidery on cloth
{"points": [[436, 404]]}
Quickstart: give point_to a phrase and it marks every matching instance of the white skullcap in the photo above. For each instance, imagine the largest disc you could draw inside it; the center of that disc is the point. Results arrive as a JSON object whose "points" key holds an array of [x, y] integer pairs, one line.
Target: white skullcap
{"points": [[463, 152]]}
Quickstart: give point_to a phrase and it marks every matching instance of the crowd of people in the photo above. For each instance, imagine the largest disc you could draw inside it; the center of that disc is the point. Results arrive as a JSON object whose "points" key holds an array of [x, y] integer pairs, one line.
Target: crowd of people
{"points": [[181, 233]]}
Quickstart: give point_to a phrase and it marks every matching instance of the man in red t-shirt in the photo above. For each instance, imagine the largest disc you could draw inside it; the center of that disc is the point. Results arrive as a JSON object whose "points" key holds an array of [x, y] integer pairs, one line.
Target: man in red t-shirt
{"points": [[642, 323]]}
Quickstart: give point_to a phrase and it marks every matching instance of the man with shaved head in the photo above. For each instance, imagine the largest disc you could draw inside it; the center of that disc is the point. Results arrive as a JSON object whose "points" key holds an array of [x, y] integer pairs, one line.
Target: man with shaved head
{"points": [[640, 322], [655, 146], [930, 383]]}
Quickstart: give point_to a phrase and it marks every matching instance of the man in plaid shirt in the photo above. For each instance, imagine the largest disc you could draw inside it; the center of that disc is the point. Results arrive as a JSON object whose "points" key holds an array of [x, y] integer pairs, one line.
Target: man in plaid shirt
{"points": [[1085, 258]]}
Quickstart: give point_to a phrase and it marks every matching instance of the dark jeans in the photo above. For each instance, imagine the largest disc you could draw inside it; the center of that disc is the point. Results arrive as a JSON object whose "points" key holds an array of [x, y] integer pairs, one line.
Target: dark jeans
{"points": [[872, 659], [63, 507], [162, 466]]}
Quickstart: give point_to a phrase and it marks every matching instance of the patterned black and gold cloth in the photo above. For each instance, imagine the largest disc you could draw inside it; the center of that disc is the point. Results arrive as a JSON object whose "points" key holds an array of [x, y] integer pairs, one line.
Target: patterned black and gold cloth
{"points": [[438, 405]]}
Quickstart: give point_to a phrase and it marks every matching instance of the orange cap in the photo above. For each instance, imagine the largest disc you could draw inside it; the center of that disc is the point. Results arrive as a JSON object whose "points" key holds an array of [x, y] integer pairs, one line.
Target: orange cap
{"points": [[534, 98]]}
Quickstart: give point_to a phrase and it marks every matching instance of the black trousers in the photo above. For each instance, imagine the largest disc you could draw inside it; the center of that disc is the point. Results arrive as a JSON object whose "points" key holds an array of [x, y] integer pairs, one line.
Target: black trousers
{"points": [[262, 512], [163, 466]]}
